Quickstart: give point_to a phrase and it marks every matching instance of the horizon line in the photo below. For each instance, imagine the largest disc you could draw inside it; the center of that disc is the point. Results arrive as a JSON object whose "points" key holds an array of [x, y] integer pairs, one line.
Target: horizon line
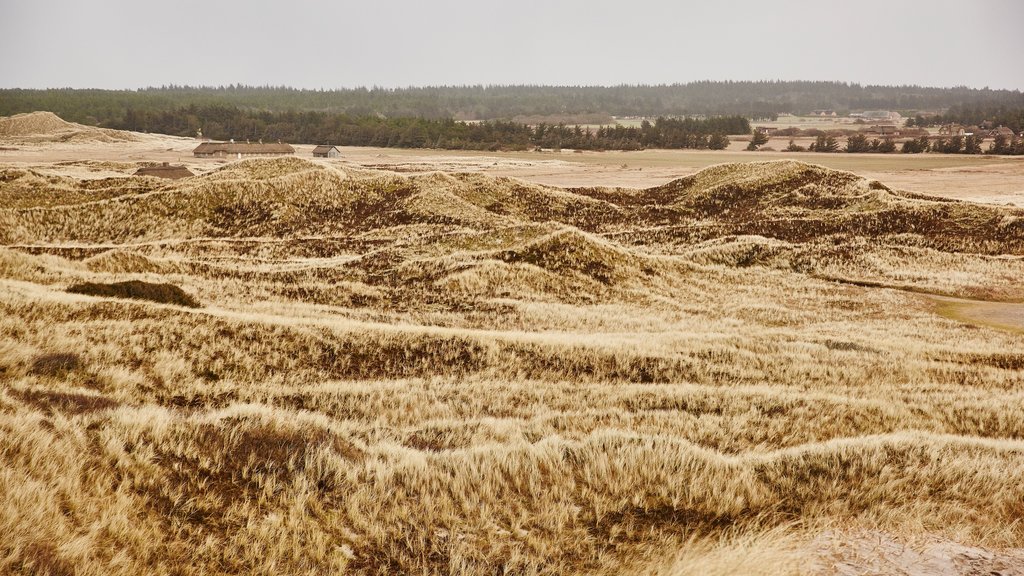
{"points": [[397, 87]]}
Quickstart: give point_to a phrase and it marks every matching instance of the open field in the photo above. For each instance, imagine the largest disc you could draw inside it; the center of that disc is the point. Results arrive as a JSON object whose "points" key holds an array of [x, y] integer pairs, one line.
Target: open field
{"points": [[414, 362], [978, 178]]}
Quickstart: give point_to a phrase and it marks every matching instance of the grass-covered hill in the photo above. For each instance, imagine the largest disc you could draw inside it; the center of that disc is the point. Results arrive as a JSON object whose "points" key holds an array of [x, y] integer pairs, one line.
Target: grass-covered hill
{"points": [[293, 367]]}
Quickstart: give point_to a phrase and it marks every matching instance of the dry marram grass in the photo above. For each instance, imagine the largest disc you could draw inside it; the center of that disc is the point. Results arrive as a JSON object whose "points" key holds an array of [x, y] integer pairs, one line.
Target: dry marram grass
{"points": [[460, 374], [47, 127]]}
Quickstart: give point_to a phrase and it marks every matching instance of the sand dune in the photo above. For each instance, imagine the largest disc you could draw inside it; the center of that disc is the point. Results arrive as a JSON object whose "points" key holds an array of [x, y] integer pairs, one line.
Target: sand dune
{"points": [[735, 371], [47, 127]]}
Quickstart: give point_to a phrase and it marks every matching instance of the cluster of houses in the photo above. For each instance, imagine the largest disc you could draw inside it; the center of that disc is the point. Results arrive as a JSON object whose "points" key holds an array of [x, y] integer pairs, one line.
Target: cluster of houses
{"points": [[977, 131], [880, 129], [893, 130]]}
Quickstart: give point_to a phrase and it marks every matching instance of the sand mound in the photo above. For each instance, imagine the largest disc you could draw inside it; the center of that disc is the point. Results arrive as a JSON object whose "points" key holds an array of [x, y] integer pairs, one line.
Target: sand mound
{"points": [[498, 279], [573, 251], [39, 127], [740, 251], [785, 201], [525, 201], [265, 169], [33, 124], [777, 185]]}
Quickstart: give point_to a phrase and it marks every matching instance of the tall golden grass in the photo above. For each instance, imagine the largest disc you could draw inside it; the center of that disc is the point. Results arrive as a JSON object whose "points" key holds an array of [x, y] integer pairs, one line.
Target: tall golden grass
{"points": [[452, 374]]}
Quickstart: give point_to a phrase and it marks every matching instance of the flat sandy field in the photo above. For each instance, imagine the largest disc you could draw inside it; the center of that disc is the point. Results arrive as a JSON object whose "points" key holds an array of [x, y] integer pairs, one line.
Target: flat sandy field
{"points": [[978, 178], [420, 362]]}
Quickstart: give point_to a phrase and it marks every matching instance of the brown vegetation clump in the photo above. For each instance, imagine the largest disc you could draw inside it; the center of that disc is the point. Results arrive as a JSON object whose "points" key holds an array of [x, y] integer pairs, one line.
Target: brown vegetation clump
{"points": [[55, 364], [457, 374], [138, 290]]}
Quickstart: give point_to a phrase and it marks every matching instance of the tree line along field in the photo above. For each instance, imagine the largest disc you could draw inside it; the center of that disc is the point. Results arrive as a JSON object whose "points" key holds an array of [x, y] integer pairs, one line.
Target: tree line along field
{"points": [[532, 104], [457, 373]]}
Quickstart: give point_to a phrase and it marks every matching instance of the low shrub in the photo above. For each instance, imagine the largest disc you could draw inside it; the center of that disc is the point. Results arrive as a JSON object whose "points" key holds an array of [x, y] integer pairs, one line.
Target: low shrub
{"points": [[137, 290]]}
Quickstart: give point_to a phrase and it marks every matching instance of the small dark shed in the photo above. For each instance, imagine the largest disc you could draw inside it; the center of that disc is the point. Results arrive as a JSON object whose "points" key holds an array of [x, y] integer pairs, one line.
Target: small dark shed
{"points": [[164, 170], [325, 151]]}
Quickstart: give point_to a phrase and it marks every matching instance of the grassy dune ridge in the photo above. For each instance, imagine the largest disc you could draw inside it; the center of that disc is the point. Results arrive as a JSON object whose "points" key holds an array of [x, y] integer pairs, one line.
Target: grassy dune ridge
{"points": [[462, 374]]}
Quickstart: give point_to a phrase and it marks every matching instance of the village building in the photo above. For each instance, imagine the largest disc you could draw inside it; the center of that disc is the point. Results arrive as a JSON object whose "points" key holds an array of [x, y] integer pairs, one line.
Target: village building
{"points": [[325, 151], [164, 170], [241, 150], [1003, 131], [830, 113]]}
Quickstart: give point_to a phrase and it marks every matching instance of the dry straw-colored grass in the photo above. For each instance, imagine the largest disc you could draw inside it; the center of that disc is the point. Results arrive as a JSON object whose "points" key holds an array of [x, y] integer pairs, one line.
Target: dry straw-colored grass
{"points": [[457, 374], [47, 127]]}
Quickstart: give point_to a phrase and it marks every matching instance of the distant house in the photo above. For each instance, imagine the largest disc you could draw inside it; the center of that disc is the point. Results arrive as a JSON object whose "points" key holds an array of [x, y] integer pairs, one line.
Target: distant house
{"points": [[164, 170], [766, 130], [1003, 131], [830, 113], [952, 130], [325, 151], [241, 150]]}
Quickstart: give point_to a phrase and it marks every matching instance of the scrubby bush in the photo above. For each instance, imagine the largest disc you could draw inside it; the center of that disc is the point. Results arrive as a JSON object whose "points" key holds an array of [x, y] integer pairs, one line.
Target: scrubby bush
{"points": [[137, 290]]}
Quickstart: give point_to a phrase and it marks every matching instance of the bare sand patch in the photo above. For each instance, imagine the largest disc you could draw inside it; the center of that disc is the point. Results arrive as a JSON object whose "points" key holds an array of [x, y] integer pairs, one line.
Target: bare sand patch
{"points": [[856, 553], [1001, 315]]}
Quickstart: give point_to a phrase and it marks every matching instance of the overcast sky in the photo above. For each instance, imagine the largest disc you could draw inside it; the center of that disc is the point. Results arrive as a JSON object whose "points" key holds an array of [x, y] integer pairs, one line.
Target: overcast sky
{"points": [[338, 43]]}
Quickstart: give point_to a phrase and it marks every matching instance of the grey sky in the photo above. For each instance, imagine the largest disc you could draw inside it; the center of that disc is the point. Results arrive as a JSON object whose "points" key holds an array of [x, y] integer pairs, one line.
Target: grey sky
{"points": [[338, 43]]}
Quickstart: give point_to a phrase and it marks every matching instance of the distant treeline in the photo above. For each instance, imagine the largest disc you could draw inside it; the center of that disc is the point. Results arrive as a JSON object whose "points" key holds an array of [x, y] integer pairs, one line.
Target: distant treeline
{"points": [[975, 115], [223, 123], [755, 100], [860, 143]]}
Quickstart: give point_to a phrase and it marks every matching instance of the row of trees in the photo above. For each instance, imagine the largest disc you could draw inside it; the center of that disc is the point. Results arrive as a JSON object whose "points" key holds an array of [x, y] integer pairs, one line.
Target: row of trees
{"points": [[975, 115], [859, 143], [759, 100], [222, 123]]}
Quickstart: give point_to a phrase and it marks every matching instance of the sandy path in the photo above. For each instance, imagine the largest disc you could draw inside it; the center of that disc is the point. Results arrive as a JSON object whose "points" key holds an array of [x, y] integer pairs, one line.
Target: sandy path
{"points": [[1001, 315]]}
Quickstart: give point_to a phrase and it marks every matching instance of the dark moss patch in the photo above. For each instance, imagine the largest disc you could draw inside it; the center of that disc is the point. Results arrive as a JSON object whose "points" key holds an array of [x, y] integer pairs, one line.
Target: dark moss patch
{"points": [[137, 290], [55, 364], [67, 402]]}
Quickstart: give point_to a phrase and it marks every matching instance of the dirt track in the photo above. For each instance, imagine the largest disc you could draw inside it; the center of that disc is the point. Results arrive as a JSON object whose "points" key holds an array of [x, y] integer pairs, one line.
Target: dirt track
{"points": [[1002, 315]]}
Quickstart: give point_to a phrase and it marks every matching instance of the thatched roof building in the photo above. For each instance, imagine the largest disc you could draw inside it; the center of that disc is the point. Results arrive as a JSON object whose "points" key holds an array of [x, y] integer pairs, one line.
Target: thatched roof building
{"points": [[164, 170], [240, 149]]}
